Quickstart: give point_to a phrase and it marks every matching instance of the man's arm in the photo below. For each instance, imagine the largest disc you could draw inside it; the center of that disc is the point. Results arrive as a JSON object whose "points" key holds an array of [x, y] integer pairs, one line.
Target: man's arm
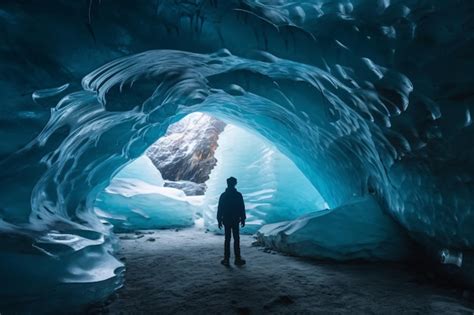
{"points": [[243, 216], [219, 212]]}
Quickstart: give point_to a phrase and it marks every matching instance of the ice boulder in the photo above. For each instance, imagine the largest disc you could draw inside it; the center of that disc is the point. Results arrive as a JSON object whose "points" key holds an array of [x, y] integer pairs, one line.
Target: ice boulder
{"points": [[358, 230], [136, 199]]}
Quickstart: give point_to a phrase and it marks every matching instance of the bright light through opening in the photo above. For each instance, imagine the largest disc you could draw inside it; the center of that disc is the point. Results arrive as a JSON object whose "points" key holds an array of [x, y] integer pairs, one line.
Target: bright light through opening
{"points": [[195, 157]]}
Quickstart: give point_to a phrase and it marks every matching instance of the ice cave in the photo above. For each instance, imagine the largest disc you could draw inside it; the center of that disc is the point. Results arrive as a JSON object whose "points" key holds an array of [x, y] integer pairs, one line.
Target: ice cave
{"points": [[347, 123]]}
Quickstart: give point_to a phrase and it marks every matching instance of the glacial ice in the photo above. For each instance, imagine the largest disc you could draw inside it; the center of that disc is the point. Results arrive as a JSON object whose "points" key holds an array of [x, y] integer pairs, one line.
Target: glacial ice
{"points": [[274, 189], [136, 199], [358, 230], [364, 97]]}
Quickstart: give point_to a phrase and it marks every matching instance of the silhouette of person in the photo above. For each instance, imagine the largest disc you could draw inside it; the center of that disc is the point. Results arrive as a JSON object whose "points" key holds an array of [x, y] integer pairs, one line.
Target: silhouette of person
{"points": [[231, 212]]}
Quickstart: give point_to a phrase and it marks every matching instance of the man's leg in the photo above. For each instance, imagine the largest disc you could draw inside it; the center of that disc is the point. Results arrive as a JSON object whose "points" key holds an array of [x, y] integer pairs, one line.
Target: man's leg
{"points": [[227, 232], [235, 232]]}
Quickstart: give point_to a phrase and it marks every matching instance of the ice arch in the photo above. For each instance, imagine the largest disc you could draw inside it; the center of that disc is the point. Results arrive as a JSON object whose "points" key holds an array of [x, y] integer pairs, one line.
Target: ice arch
{"points": [[274, 189], [326, 127], [188, 86]]}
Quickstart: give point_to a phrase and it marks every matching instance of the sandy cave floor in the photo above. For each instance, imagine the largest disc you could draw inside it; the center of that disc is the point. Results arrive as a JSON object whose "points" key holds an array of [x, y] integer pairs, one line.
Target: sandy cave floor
{"points": [[179, 272]]}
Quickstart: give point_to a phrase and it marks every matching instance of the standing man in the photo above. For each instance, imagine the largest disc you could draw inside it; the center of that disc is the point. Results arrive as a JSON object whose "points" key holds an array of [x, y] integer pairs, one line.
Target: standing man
{"points": [[231, 213]]}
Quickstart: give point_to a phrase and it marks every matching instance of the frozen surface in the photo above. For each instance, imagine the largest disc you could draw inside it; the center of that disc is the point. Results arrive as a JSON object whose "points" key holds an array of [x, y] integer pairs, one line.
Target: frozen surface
{"points": [[136, 199], [357, 230], [274, 189], [270, 283], [365, 97]]}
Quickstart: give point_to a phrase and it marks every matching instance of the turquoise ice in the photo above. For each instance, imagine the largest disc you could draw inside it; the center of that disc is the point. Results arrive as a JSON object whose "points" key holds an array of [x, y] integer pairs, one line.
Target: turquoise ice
{"points": [[274, 189], [136, 199]]}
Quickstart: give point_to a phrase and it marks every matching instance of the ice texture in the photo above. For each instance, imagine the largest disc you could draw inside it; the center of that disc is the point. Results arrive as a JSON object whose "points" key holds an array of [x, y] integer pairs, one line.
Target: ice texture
{"points": [[365, 97], [359, 230], [136, 199], [142, 169], [274, 189]]}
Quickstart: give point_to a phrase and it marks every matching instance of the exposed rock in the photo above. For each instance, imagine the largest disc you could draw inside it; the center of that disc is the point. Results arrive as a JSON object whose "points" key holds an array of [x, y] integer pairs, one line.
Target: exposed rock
{"points": [[186, 152]]}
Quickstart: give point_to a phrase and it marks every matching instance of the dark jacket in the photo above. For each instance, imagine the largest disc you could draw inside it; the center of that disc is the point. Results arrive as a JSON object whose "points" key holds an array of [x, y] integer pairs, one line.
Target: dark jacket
{"points": [[231, 208]]}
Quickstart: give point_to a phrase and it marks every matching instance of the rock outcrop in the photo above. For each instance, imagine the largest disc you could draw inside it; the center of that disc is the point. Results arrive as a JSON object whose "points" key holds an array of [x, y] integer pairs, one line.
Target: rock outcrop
{"points": [[186, 152]]}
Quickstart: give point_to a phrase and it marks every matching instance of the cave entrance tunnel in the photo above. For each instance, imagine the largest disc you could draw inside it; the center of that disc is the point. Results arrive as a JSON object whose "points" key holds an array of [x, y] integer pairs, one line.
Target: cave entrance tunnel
{"points": [[283, 174], [76, 201], [78, 188], [176, 183], [87, 142]]}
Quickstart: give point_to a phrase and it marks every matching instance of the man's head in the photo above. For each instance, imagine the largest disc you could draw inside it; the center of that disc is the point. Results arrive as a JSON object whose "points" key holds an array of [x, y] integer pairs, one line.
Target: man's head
{"points": [[231, 182]]}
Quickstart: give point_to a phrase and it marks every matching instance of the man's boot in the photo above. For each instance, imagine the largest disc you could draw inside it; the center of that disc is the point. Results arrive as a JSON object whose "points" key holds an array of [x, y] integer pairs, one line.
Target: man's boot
{"points": [[225, 262], [239, 261]]}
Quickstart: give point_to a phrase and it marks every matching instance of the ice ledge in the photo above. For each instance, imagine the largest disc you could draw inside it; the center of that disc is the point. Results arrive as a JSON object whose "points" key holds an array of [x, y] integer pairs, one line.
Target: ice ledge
{"points": [[358, 230]]}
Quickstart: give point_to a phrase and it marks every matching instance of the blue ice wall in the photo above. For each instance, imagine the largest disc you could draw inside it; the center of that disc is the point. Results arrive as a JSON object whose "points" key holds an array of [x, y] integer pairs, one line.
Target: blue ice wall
{"points": [[365, 97], [274, 189]]}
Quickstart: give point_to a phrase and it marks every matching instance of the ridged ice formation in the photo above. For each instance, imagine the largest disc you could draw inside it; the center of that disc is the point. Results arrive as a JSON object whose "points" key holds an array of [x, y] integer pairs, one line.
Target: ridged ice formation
{"points": [[365, 97]]}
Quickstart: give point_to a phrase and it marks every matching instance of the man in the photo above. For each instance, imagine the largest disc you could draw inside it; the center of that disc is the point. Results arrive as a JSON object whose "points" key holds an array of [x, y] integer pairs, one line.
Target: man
{"points": [[231, 212]]}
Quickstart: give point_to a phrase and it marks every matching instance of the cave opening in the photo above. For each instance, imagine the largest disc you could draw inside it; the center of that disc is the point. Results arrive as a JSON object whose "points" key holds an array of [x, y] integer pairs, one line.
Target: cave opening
{"points": [[176, 183], [314, 176]]}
